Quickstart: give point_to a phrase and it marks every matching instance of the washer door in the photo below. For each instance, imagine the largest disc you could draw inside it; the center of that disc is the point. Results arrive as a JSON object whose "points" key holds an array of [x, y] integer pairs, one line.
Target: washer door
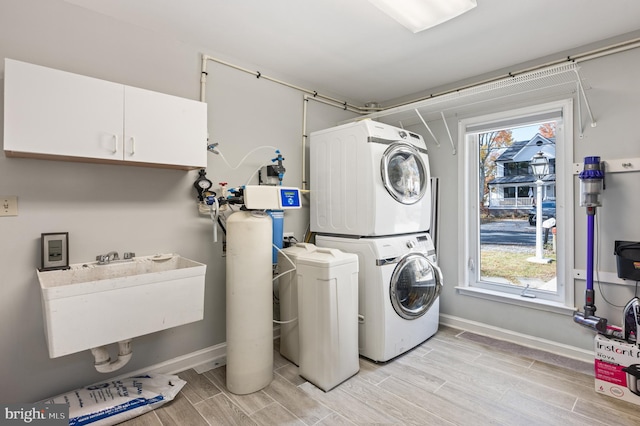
{"points": [[404, 173], [415, 285]]}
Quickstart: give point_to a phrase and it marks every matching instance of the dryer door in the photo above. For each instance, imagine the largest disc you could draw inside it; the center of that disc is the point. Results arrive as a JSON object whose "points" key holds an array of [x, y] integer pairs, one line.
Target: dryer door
{"points": [[415, 285], [404, 173]]}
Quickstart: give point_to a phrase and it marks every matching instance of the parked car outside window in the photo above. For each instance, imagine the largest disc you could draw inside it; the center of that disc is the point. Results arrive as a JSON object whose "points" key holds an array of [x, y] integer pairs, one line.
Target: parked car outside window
{"points": [[548, 211]]}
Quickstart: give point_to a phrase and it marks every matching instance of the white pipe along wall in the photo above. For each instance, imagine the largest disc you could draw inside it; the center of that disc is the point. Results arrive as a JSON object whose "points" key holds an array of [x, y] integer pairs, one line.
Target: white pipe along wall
{"points": [[380, 112]]}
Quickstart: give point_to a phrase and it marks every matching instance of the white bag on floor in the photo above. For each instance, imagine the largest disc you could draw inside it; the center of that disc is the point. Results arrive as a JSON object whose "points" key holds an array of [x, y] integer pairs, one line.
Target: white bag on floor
{"points": [[113, 402]]}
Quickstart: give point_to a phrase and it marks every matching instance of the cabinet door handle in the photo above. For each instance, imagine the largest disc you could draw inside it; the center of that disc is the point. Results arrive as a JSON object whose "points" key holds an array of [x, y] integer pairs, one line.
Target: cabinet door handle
{"points": [[133, 145], [115, 144]]}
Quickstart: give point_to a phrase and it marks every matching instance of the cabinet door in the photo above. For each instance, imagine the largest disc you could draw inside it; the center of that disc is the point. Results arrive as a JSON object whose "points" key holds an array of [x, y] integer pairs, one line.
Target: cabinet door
{"points": [[53, 112], [164, 129]]}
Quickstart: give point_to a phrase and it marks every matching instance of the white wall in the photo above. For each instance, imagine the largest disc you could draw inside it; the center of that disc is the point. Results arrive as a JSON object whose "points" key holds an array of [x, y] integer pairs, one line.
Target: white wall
{"points": [[124, 208]]}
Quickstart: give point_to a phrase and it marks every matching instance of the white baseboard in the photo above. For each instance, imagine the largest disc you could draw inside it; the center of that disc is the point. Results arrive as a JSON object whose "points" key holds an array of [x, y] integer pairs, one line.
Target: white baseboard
{"points": [[203, 360], [519, 338], [216, 356]]}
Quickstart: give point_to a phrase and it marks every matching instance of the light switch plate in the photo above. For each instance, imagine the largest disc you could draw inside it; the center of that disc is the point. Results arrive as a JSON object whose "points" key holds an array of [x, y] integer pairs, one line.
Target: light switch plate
{"points": [[9, 205]]}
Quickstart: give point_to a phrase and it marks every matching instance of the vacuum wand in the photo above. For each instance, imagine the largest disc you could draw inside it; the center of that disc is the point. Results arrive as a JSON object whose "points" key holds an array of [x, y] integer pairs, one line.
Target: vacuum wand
{"points": [[590, 307], [591, 180], [588, 318]]}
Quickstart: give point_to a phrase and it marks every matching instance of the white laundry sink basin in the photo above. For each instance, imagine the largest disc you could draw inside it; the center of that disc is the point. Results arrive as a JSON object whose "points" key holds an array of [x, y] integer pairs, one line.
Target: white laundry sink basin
{"points": [[90, 305], [90, 277]]}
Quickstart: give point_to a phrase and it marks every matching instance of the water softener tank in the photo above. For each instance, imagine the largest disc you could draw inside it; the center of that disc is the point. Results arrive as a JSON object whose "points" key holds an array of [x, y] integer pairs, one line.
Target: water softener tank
{"points": [[249, 302], [277, 219]]}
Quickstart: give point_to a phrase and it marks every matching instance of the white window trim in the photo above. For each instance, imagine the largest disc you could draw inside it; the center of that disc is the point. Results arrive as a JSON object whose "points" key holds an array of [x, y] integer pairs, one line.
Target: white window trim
{"points": [[514, 299], [564, 209]]}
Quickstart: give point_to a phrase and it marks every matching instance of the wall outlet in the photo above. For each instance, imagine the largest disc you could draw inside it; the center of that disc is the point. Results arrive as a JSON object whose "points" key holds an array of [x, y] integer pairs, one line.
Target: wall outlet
{"points": [[287, 235], [9, 205]]}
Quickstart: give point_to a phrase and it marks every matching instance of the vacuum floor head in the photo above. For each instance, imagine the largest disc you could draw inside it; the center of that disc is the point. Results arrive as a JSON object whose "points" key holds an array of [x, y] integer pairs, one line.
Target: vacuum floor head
{"points": [[595, 323]]}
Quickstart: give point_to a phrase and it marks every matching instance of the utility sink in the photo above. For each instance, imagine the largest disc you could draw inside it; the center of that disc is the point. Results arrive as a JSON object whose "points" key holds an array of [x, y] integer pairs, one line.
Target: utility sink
{"points": [[90, 305]]}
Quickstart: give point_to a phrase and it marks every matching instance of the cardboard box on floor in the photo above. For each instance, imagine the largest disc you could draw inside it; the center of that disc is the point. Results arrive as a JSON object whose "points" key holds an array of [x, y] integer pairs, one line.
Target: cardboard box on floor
{"points": [[617, 368]]}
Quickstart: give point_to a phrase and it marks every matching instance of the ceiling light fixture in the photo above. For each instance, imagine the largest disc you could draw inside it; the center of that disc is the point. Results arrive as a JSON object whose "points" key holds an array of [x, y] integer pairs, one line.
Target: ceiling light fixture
{"points": [[418, 15]]}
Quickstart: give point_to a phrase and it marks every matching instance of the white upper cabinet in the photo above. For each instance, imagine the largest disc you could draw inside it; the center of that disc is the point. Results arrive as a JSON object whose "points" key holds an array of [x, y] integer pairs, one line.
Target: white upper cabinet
{"points": [[47, 111], [53, 114], [155, 121]]}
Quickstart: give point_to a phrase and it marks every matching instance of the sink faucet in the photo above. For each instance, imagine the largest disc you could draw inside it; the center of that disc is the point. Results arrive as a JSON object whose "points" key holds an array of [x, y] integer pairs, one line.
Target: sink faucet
{"points": [[103, 259], [112, 256]]}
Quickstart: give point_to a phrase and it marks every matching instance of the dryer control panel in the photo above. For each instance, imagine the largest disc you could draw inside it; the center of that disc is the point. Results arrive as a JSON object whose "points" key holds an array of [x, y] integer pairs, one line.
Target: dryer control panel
{"points": [[425, 244]]}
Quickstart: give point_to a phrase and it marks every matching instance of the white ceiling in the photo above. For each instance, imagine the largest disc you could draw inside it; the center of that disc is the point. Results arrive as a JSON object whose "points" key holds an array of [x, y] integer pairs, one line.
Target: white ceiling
{"points": [[350, 48]]}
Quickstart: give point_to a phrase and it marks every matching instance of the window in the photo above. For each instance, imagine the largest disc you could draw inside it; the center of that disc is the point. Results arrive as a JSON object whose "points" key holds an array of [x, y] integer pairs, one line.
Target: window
{"points": [[516, 168], [503, 236], [523, 191], [509, 192]]}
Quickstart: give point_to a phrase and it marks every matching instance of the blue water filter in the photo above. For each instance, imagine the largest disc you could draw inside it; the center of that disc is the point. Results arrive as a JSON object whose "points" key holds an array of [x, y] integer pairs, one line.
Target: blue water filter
{"points": [[277, 219]]}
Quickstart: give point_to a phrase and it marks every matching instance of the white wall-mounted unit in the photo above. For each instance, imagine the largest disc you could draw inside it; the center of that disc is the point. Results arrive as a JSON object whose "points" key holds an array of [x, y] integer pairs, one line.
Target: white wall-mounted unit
{"points": [[53, 114], [91, 305]]}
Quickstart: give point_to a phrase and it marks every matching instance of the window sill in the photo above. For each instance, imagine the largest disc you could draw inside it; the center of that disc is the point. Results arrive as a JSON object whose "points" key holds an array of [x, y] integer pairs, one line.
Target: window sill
{"points": [[513, 299]]}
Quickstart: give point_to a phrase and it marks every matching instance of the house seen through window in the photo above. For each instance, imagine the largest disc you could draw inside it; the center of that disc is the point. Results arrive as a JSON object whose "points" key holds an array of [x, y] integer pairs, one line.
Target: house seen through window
{"points": [[508, 248], [508, 218]]}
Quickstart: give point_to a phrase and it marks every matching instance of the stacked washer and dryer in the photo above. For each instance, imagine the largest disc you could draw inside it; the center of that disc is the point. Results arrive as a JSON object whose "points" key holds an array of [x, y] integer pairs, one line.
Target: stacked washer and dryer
{"points": [[371, 195]]}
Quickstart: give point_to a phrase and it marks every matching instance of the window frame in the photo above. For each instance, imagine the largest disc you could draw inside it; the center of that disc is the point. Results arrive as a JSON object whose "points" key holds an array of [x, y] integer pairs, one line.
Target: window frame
{"points": [[469, 237]]}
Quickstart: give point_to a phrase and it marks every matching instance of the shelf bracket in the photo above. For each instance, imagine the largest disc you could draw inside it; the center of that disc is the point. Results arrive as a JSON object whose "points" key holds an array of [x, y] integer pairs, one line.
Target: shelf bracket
{"points": [[583, 95], [453, 145], [427, 126]]}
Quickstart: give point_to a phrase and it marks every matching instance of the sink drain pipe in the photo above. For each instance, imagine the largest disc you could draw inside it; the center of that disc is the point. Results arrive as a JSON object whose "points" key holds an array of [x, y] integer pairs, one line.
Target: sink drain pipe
{"points": [[103, 361]]}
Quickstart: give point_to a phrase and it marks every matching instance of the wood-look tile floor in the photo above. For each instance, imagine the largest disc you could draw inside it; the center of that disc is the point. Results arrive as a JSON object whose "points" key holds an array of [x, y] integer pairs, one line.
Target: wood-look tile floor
{"points": [[454, 378]]}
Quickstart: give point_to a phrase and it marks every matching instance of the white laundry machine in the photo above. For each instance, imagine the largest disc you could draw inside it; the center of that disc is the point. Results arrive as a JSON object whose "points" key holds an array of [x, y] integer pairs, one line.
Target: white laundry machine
{"points": [[399, 284], [369, 179]]}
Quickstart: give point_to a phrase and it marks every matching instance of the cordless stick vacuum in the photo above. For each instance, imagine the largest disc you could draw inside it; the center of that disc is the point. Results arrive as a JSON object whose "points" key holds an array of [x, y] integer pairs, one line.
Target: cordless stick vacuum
{"points": [[591, 183]]}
